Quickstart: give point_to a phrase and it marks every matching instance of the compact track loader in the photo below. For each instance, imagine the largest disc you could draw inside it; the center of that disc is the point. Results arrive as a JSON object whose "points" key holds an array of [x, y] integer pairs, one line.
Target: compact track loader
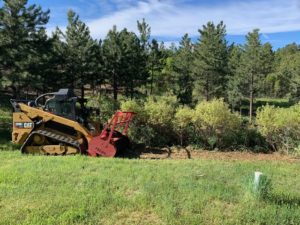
{"points": [[59, 127]]}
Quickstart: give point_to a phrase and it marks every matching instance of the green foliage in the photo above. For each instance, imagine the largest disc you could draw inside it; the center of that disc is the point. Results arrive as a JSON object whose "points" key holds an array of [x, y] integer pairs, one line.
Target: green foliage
{"points": [[248, 138], [108, 107], [22, 31], [159, 113], [160, 110], [182, 124], [140, 131], [234, 93], [280, 127], [183, 68], [124, 61], [160, 122], [153, 122], [215, 123], [210, 61], [285, 80], [81, 54], [5, 115], [255, 63]]}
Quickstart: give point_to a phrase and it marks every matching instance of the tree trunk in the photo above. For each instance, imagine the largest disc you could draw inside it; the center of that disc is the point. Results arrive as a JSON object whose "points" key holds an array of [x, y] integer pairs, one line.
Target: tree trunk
{"points": [[207, 89], [251, 99], [131, 89], [240, 105], [82, 91], [152, 69], [115, 86]]}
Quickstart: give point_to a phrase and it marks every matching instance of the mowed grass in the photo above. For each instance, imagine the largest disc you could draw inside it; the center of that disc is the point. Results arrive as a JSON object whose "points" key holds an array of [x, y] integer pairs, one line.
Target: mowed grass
{"points": [[84, 190]]}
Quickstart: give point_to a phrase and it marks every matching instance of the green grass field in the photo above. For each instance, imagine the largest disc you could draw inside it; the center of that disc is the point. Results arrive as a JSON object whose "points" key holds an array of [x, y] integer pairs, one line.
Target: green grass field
{"points": [[84, 190]]}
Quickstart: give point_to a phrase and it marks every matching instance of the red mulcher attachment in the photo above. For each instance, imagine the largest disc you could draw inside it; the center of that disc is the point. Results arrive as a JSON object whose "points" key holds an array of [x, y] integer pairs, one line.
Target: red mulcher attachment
{"points": [[113, 140]]}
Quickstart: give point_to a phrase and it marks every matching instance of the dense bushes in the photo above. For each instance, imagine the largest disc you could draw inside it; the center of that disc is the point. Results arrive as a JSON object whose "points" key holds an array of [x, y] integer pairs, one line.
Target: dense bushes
{"points": [[280, 127], [161, 121]]}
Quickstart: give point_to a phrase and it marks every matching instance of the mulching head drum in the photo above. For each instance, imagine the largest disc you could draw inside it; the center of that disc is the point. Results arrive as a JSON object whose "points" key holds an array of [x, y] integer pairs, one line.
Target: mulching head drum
{"points": [[113, 140]]}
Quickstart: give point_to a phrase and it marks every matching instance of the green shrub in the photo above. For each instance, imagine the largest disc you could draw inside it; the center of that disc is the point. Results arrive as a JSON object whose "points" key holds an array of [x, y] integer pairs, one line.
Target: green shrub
{"points": [[108, 107], [159, 114], [5, 116], [250, 139], [215, 124], [280, 127], [182, 124], [134, 106], [140, 131], [160, 111], [153, 122]]}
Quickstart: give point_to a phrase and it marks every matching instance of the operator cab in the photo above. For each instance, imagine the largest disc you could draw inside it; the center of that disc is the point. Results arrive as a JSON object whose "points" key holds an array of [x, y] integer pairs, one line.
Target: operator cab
{"points": [[62, 103]]}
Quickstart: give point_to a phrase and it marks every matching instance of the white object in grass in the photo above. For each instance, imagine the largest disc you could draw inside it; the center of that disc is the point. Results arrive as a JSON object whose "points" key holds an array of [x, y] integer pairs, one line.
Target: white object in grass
{"points": [[257, 178]]}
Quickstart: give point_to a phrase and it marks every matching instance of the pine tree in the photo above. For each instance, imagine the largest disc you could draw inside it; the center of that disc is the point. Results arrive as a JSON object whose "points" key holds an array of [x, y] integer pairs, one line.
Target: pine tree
{"points": [[21, 28], [253, 68], [281, 81], [268, 57], [124, 61], [145, 33], [112, 59], [154, 58], [234, 92], [183, 71], [81, 53], [133, 62], [210, 63]]}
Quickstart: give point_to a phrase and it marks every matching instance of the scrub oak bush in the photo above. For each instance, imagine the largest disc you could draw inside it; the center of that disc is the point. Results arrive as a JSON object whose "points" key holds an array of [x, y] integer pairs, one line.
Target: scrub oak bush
{"points": [[160, 114], [215, 124], [280, 127], [183, 125], [161, 121], [153, 122]]}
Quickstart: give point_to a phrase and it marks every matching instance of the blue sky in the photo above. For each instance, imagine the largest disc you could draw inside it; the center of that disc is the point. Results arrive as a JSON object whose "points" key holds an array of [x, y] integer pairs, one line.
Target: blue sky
{"points": [[278, 20]]}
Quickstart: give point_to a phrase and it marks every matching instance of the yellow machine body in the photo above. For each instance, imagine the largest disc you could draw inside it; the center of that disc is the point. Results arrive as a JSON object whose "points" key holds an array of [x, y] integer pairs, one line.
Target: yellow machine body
{"points": [[25, 120]]}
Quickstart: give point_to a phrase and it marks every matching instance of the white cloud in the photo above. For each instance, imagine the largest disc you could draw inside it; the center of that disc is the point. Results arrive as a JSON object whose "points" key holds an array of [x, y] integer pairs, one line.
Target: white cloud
{"points": [[172, 19]]}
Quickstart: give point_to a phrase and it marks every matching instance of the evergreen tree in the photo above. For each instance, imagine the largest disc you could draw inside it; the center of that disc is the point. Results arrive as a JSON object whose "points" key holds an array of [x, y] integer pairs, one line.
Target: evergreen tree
{"points": [[133, 63], [234, 92], [21, 28], [210, 63], [124, 61], [112, 59], [183, 71], [145, 33], [160, 63], [253, 68], [281, 80], [154, 63], [267, 69], [81, 53]]}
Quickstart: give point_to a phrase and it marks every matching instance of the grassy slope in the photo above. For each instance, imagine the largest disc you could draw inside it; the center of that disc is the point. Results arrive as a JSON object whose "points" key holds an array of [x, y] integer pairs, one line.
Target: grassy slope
{"points": [[83, 190]]}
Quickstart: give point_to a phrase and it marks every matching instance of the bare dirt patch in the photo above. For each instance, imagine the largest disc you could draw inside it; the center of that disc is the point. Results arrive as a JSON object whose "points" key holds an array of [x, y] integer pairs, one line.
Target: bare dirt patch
{"points": [[171, 153]]}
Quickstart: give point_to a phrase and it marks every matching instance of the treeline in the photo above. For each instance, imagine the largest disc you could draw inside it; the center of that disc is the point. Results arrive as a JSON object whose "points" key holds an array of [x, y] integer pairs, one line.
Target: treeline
{"points": [[136, 65]]}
